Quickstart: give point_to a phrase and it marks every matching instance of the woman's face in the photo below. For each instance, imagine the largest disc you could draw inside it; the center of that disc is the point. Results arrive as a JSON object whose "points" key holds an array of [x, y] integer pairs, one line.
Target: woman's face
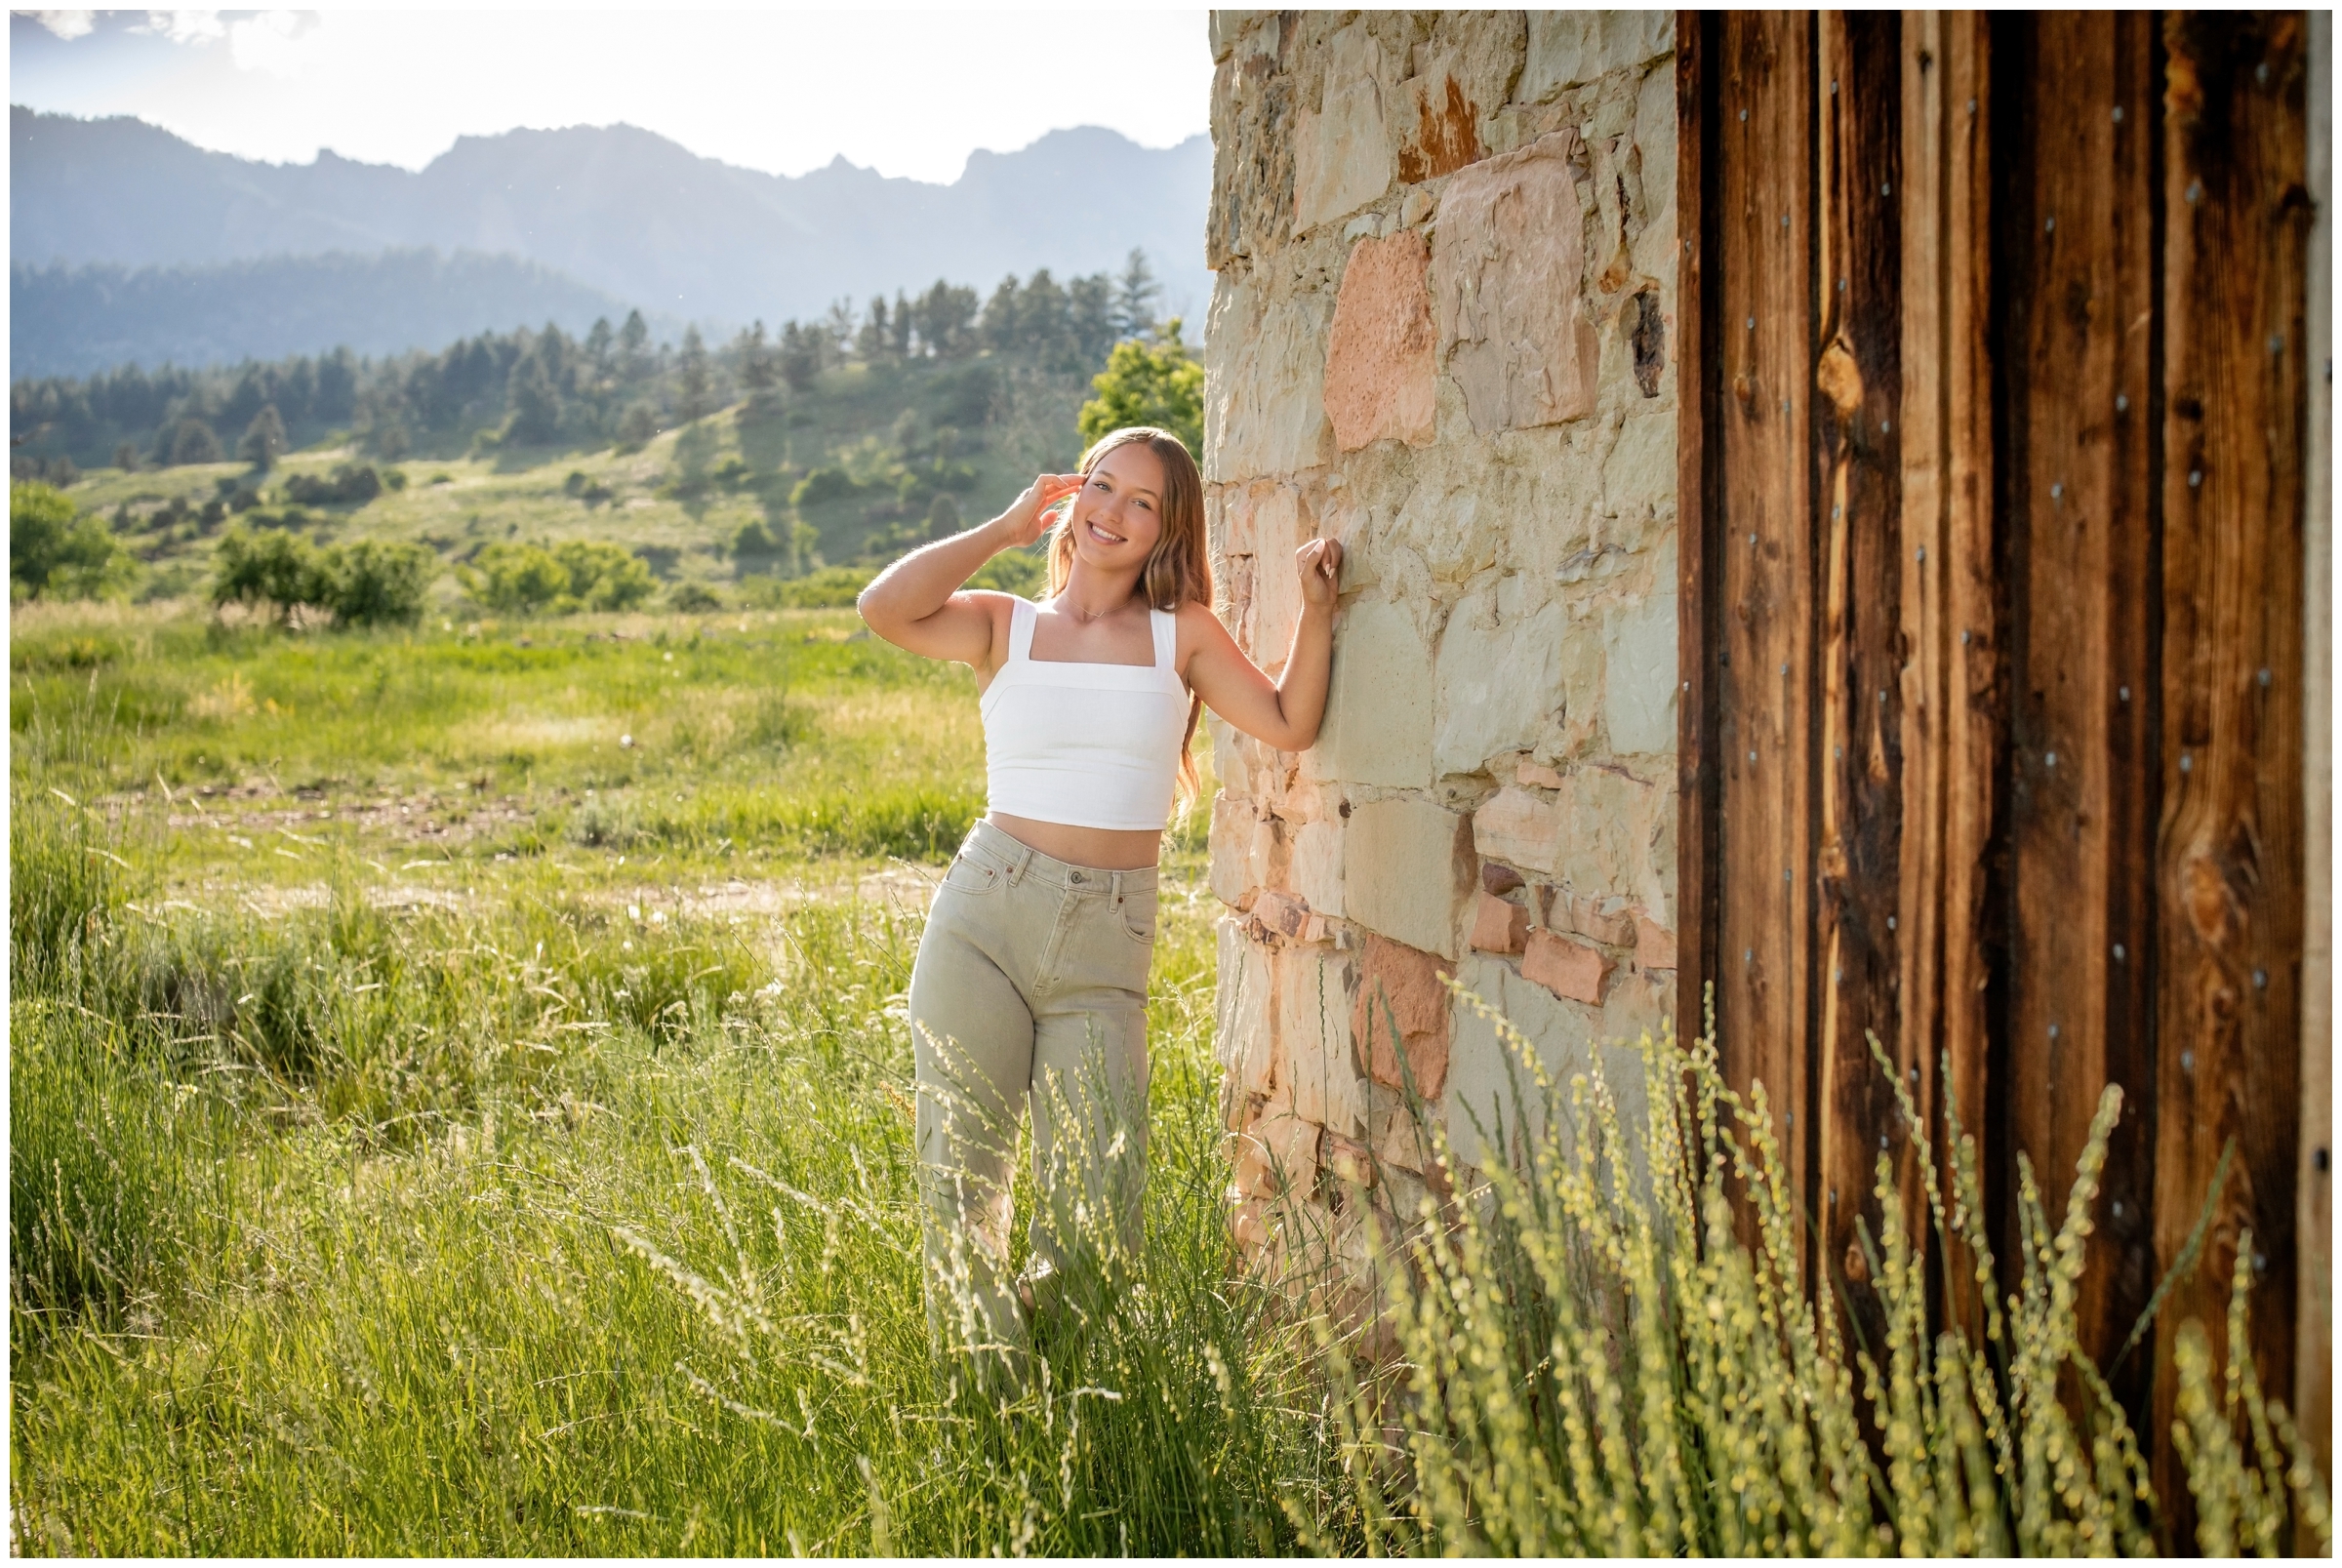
{"points": [[1118, 514]]}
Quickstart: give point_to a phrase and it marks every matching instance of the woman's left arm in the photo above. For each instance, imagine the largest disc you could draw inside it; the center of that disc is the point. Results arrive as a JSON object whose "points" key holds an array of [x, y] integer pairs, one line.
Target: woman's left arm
{"points": [[1283, 714]]}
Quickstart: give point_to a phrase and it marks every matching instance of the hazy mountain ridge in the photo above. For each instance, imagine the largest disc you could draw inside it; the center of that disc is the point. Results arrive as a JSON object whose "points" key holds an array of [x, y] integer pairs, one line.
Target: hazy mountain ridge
{"points": [[78, 320], [619, 209]]}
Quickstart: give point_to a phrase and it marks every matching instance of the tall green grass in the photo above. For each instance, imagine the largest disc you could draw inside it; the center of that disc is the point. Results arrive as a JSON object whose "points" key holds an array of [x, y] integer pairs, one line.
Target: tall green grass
{"points": [[1594, 1363]]}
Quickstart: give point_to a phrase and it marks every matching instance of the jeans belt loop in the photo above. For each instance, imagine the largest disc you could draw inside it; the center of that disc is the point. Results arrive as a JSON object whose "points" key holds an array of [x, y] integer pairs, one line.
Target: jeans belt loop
{"points": [[1024, 862]]}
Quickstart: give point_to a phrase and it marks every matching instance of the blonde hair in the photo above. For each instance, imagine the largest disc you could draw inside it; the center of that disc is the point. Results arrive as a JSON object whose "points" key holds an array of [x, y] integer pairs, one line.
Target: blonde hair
{"points": [[1180, 566]]}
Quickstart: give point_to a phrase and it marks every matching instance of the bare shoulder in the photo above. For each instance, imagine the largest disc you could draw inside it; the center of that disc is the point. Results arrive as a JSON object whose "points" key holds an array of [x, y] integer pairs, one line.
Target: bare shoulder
{"points": [[1201, 631]]}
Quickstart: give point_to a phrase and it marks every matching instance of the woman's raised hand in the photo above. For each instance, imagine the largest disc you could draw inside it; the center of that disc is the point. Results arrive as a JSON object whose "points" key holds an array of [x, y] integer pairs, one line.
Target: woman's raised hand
{"points": [[1026, 517], [1319, 562]]}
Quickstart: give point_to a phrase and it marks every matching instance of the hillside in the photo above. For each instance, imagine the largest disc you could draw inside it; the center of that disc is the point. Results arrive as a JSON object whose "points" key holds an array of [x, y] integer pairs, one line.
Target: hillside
{"points": [[743, 501], [617, 208]]}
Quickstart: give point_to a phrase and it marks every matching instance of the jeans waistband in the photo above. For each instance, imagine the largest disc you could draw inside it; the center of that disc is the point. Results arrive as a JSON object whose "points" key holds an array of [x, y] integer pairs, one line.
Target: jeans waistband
{"points": [[1023, 861]]}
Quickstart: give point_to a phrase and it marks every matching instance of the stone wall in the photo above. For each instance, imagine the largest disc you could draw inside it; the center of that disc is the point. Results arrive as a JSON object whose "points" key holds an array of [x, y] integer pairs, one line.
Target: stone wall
{"points": [[1447, 254]]}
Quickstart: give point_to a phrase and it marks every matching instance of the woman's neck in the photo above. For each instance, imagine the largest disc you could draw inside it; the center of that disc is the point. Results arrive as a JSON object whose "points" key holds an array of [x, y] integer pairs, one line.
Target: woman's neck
{"points": [[1091, 594]]}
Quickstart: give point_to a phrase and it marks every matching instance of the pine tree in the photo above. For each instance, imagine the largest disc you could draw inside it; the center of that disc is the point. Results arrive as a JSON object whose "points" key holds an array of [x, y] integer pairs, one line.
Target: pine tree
{"points": [[693, 376], [633, 347], [875, 336], [535, 403], [1135, 295], [264, 438], [755, 362], [901, 326], [800, 355], [194, 442]]}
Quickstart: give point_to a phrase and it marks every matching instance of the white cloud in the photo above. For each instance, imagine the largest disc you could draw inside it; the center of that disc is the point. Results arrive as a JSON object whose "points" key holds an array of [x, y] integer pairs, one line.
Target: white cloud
{"points": [[67, 24], [184, 26], [270, 41]]}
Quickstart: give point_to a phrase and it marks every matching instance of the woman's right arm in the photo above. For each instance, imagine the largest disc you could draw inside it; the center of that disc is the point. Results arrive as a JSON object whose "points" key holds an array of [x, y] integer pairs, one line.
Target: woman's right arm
{"points": [[917, 604]]}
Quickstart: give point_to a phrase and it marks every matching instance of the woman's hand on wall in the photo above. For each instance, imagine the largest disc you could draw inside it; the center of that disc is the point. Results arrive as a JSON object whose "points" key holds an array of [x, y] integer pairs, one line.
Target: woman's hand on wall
{"points": [[1319, 563]]}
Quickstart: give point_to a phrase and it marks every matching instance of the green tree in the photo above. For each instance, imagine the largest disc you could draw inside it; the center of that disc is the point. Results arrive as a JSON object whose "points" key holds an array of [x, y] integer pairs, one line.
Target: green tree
{"points": [[273, 567], [800, 355], [639, 426], [1158, 384], [634, 348], [943, 516], [693, 376], [194, 442], [1135, 293], [54, 550], [756, 370], [901, 327], [264, 438], [535, 403], [126, 456]]}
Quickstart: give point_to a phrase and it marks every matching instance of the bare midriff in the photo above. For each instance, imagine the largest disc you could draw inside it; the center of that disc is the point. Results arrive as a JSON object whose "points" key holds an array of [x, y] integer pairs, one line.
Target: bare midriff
{"points": [[1103, 849]]}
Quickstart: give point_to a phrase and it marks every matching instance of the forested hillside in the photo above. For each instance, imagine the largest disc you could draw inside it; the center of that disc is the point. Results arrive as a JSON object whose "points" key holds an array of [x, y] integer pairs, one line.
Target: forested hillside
{"points": [[828, 444]]}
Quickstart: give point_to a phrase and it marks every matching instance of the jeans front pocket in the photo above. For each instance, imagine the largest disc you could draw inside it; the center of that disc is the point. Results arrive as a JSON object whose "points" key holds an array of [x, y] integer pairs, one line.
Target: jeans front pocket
{"points": [[1135, 911], [973, 875]]}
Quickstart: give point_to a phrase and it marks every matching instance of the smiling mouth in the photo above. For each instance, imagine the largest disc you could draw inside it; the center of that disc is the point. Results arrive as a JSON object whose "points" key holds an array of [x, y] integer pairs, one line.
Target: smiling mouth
{"points": [[1103, 536]]}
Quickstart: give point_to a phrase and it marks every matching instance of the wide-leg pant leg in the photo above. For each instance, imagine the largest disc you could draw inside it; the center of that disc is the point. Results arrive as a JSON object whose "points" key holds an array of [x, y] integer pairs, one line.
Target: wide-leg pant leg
{"points": [[1090, 1074], [972, 1033]]}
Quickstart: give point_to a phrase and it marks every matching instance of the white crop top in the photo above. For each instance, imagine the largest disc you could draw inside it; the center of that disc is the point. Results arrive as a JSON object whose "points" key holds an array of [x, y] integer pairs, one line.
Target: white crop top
{"points": [[1089, 745]]}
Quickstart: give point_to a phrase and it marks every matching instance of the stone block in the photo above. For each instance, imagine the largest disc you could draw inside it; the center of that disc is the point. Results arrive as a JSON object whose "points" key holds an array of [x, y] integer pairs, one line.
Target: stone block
{"points": [[1639, 477], [1534, 774], [1518, 827], [1241, 846], [1349, 1159], [1594, 917], [1639, 677], [1574, 970], [1408, 870], [1380, 360], [1312, 1007], [1281, 913], [1263, 393], [1507, 267], [1277, 1154], [1342, 150], [1316, 872], [1654, 943], [1279, 524], [1500, 925], [1439, 124], [1379, 711], [1499, 878], [1399, 991], [1569, 48], [1398, 1141], [1244, 1040], [1229, 763], [1490, 1093], [1499, 680]]}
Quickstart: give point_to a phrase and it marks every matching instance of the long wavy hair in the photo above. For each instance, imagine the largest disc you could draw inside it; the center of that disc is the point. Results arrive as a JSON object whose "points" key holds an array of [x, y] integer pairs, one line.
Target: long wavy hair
{"points": [[1178, 569]]}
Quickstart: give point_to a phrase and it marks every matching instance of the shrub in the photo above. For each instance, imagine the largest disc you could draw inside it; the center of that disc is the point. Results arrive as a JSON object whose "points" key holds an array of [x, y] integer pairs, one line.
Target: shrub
{"points": [[352, 483], [580, 574], [693, 598], [58, 551], [374, 583], [371, 583], [824, 484]]}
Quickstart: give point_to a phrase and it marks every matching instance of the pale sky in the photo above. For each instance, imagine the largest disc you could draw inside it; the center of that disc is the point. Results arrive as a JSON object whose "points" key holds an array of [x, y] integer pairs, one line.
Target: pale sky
{"points": [[908, 93]]}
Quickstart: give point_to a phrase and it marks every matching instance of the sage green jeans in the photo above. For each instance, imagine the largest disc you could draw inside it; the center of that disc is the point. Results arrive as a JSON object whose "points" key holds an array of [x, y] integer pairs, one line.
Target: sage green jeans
{"points": [[1030, 988]]}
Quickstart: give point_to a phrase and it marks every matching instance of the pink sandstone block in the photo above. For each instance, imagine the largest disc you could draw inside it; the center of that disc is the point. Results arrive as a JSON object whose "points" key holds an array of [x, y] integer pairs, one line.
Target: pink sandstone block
{"points": [[1380, 364], [1568, 969], [1499, 926]]}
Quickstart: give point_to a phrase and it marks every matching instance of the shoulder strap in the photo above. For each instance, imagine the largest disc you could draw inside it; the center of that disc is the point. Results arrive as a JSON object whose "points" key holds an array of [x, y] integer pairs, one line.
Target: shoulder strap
{"points": [[1166, 638], [1020, 629]]}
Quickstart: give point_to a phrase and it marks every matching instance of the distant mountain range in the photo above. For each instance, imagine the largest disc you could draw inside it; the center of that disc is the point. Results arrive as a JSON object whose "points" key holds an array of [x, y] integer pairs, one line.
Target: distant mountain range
{"points": [[547, 222]]}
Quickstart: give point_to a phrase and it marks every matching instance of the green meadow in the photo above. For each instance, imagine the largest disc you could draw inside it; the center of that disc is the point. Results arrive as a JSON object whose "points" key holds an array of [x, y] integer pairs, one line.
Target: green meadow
{"points": [[459, 1103]]}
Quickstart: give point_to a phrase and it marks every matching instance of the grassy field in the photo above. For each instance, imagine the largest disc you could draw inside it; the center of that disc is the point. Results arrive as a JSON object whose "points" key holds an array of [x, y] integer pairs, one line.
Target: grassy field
{"points": [[459, 1103]]}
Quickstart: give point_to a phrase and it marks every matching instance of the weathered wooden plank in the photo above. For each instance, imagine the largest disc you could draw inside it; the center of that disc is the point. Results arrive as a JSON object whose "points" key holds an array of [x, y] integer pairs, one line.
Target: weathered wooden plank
{"points": [[1949, 675], [2314, 1208], [2228, 855], [1765, 672], [1697, 604], [1859, 738], [2076, 244]]}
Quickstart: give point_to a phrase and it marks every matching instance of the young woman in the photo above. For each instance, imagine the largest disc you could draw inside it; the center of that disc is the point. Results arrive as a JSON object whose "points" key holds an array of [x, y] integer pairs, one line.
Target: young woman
{"points": [[1031, 982]]}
